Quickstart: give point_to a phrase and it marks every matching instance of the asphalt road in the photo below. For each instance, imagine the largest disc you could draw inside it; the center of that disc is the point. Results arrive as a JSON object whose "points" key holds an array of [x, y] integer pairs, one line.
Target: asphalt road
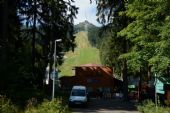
{"points": [[107, 106]]}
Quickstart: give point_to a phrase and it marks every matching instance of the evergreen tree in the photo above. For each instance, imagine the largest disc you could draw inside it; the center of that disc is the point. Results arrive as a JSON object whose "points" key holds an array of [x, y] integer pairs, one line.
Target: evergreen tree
{"points": [[10, 43], [29, 29]]}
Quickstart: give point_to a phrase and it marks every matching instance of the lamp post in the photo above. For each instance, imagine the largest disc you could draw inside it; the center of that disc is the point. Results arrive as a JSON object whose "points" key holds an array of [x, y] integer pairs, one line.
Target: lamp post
{"points": [[53, 89]]}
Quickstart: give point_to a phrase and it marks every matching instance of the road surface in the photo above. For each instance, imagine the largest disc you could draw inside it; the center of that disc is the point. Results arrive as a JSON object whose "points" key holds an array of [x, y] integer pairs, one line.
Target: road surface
{"points": [[107, 106]]}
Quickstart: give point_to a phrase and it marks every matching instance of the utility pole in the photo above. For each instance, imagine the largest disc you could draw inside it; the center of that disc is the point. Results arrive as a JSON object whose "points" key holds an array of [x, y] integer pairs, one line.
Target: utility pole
{"points": [[53, 88]]}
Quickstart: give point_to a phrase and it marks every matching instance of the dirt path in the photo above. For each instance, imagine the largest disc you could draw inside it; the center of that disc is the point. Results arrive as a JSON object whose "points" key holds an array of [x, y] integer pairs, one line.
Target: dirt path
{"points": [[107, 106]]}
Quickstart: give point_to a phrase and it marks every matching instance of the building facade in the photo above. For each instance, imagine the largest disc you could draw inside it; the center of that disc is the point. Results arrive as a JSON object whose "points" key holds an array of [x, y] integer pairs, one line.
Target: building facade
{"points": [[96, 78]]}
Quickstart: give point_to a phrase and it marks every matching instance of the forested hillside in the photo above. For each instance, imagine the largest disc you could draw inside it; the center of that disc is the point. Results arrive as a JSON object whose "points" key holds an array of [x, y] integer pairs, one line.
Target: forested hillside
{"points": [[92, 32]]}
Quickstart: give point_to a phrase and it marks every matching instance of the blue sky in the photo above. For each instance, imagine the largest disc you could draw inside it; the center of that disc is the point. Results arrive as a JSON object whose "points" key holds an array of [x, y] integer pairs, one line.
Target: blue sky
{"points": [[86, 11]]}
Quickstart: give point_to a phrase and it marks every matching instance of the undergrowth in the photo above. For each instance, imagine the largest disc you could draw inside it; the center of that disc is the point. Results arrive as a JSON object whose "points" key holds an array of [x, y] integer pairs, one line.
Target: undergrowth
{"points": [[47, 106], [149, 107]]}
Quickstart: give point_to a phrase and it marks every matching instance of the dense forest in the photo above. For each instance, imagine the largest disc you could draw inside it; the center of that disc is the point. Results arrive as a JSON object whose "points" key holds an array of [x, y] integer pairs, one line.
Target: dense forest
{"points": [[28, 30], [134, 39]]}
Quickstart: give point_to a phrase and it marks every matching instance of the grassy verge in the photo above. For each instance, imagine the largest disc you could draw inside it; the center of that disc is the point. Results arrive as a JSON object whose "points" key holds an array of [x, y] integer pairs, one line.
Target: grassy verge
{"points": [[54, 106], [6, 106], [149, 107]]}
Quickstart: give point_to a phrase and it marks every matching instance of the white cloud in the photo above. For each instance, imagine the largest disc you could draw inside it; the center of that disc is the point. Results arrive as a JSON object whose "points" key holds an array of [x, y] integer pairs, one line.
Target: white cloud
{"points": [[86, 11]]}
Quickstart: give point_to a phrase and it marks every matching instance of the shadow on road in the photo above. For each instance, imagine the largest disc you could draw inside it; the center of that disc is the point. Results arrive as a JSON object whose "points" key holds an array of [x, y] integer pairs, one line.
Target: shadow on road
{"points": [[107, 106]]}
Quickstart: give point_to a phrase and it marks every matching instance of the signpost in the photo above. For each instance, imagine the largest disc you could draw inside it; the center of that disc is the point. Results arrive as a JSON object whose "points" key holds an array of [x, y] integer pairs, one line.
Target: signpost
{"points": [[54, 75]]}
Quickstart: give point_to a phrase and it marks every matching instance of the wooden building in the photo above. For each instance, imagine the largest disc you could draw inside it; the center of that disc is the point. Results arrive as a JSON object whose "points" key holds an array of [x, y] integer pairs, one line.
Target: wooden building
{"points": [[94, 77]]}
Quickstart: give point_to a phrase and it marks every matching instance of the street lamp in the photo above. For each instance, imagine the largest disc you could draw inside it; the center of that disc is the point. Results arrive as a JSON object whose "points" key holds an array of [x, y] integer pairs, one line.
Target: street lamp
{"points": [[53, 89]]}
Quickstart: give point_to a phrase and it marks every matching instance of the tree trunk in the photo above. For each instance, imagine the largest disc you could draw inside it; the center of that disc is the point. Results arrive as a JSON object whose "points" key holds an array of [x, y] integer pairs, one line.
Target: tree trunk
{"points": [[5, 21], [125, 80], [125, 73], [33, 38], [168, 71], [139, 87], [149, 74]]}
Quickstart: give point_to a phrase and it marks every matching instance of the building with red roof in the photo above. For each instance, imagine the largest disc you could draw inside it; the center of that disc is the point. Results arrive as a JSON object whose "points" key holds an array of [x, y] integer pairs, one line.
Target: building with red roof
{"points": [[95, 77]]}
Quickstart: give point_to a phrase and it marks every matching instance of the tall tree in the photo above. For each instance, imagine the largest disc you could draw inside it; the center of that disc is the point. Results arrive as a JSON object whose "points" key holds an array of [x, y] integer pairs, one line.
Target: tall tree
{"points": [[146, 33], [9, 42], [48, 20], [108, 14], [145, 29], [27, 33]]}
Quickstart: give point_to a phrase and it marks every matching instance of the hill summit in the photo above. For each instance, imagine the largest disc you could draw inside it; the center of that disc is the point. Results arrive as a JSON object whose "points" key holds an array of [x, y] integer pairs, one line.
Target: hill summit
{"points": [[84, 26], [91, 30]]}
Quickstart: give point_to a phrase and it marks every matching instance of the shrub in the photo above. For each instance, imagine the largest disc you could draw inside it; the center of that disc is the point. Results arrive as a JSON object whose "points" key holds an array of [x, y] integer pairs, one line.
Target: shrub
{"points": [[149, 107], [54, 106], [167, 102], [6, 106]]}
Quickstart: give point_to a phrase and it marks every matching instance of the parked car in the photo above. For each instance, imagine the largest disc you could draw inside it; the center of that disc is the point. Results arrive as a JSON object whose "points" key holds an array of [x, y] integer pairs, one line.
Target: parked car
{"points": [[78, 96]]}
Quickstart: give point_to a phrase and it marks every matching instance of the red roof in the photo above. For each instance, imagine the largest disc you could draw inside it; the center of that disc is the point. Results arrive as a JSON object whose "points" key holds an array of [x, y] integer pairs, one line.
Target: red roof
{"points": [[90, 65]]}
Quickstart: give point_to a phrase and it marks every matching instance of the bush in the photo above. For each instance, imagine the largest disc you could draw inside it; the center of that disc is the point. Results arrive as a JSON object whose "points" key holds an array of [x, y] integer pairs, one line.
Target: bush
{"points": [[167, 102], [54, 106], [6, 106], [149, 107]]}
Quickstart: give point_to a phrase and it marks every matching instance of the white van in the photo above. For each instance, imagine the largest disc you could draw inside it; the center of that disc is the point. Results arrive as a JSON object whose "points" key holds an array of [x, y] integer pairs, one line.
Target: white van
{"points": [[78, 96]]}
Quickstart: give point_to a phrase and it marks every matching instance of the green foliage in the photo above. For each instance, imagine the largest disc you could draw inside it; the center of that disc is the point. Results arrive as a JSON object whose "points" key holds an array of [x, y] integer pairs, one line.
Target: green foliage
{"points": [[6, 106], [109, 52], [140, 34], [28, 32], [148, 35], [149, 107], [109, 10], [54, 106], [112, 45], [145, 27]]}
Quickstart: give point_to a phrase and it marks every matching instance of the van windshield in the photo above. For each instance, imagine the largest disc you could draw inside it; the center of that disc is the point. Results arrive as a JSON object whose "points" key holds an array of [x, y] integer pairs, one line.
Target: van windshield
{"points": [[78, 92]]}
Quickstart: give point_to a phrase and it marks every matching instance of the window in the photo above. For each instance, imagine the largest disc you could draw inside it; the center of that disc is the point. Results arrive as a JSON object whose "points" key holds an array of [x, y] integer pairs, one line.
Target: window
{"points": [[78, 92]]}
